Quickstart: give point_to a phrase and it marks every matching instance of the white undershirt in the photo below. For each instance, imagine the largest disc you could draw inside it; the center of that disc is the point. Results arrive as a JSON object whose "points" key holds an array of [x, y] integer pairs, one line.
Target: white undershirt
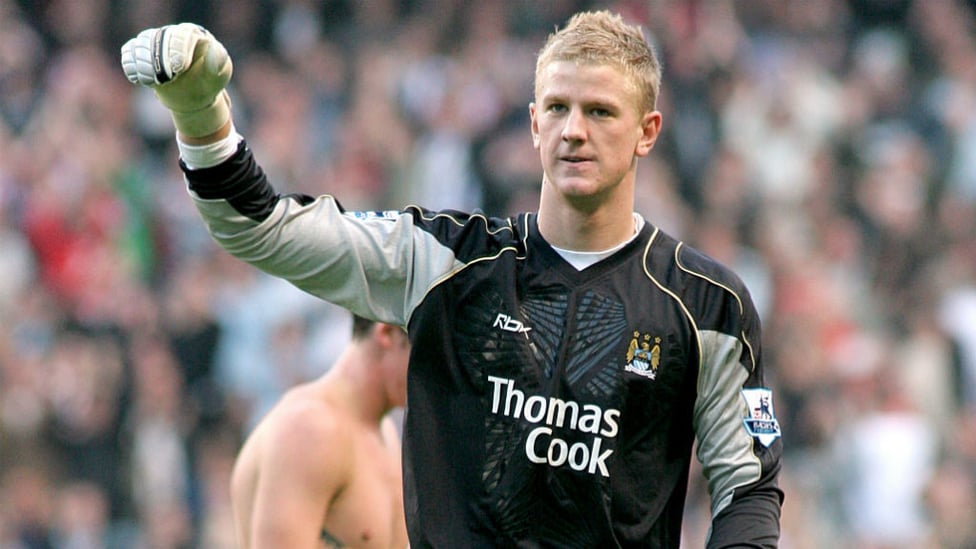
{"points": [[206, 156], [582, 260]]}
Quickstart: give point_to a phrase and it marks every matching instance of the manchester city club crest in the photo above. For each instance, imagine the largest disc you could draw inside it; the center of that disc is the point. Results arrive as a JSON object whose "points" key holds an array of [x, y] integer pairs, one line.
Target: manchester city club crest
{"points": [[761, 421], [643, 357]]}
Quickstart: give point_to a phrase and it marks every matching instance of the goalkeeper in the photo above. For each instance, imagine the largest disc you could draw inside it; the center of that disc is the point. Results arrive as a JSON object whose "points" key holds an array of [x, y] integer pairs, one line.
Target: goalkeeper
{"points": [[564, 362]]}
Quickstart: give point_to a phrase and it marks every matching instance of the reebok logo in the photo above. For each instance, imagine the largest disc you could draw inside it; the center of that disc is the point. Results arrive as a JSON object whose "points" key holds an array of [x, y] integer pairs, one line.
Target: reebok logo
{"points": [[509, 324]]}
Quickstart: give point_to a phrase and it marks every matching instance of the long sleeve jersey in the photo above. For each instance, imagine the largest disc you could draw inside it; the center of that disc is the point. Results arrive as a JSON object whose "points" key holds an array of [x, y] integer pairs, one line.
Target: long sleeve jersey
{"points": [[547, 406]]}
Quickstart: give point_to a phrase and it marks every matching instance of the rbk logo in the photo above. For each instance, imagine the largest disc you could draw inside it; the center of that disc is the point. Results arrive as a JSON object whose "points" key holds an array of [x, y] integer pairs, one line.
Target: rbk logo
{"points": [[509, 324]]}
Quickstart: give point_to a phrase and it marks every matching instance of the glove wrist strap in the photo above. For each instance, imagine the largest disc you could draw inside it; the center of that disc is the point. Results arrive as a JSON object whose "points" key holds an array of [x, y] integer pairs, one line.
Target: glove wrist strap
{"points": [[205, 121]]}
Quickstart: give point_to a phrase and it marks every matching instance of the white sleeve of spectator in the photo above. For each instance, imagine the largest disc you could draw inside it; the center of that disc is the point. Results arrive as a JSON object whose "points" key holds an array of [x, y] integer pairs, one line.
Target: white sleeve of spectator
{"points": [[205, 156]]}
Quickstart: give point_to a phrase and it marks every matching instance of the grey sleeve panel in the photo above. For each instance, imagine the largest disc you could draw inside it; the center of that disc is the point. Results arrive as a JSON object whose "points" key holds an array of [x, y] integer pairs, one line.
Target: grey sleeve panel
{"points": [[725, 448], [377, 266]]}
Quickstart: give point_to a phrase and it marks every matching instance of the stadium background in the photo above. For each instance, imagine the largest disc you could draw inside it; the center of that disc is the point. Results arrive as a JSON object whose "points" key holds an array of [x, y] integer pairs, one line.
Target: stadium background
{"points": [[825, 149]]}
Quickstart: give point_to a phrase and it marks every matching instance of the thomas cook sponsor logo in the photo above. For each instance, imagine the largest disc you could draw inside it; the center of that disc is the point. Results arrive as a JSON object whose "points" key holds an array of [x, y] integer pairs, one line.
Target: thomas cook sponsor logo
{"points": [[552, 416], [643, 355], [761, 421]]}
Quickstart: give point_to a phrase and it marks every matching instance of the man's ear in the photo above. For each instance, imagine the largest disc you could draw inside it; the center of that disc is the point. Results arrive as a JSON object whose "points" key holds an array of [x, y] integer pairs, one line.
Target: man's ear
{"points": [[389, 335], [534, 125], [650, 129], [383, 333]]}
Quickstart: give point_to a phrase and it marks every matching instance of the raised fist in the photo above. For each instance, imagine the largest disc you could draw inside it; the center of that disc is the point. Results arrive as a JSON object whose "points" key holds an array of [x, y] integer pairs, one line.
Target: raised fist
{"points": [[188, 69]]}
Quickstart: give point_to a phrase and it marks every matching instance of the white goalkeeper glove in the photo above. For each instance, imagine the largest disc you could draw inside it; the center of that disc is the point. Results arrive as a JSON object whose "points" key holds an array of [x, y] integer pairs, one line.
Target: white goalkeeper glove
{"points": [[188, 69]]}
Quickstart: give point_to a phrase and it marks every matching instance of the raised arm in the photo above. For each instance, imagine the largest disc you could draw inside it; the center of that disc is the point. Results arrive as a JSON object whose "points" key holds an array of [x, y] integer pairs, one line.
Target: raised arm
{"points": [[366, 263]]}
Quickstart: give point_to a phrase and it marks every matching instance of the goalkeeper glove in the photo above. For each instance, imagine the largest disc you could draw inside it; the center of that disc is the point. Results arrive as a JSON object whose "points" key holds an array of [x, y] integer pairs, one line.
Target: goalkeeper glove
{"points": [[188, 69]]}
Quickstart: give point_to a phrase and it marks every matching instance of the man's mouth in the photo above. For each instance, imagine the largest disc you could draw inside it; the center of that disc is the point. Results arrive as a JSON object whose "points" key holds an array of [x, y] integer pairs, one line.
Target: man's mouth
{"points": [[574, 159]]}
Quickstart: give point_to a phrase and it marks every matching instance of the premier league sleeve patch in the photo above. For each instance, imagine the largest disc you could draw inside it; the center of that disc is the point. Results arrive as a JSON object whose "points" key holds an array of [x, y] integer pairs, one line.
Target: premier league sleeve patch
{"points": [[375, 214], [761, 421]]}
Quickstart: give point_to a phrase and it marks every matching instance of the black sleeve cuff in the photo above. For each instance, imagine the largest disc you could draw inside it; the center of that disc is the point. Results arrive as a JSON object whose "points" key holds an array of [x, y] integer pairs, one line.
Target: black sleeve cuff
{"points": [[239, 180]]}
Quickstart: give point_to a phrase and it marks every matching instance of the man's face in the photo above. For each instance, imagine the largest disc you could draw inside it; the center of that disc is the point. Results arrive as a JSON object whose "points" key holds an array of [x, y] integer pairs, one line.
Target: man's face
{"points": [[588, 129]]}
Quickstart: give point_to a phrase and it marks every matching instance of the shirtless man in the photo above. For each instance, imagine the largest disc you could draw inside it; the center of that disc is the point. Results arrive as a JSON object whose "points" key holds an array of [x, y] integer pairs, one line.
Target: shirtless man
{"points": [[323, 466]]}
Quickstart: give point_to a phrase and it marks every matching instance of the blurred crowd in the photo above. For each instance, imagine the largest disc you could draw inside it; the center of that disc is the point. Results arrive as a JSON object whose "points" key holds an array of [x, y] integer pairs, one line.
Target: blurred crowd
{"points": [[824, 149]]}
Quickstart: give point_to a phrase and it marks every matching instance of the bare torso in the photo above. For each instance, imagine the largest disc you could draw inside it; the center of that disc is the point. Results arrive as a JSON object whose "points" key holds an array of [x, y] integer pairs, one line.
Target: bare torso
{"points": [[361, 500]]}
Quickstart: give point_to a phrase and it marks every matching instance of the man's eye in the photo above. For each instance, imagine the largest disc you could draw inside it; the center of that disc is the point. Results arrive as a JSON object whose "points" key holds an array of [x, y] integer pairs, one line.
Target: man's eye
{"points": [[556, 107], [602, 113]]}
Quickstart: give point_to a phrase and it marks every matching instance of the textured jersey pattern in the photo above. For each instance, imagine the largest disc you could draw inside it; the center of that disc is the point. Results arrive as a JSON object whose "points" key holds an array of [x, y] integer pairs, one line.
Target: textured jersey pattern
{"points": [[547, 407]]}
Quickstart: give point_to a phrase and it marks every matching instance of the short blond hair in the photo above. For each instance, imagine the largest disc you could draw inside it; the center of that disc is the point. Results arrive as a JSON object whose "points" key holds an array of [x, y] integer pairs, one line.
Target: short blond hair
{"points": [[604, 38]]}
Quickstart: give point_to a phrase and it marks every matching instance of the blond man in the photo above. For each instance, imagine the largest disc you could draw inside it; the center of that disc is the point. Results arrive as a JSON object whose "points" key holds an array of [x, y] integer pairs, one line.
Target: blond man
{"points": [[566, 361]]}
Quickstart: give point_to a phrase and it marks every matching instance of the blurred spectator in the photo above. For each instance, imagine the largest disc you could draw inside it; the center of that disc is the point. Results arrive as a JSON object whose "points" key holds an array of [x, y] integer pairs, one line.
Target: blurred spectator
{"points": [[885, 457], [28, 504]]}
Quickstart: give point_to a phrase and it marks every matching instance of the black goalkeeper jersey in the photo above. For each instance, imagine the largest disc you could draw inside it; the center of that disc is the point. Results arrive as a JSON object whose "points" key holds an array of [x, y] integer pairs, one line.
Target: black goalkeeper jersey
{"points": [[547, 407]]}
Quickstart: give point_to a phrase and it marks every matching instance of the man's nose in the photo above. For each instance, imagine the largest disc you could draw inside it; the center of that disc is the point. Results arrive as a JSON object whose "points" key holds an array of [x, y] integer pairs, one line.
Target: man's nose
{"points": [[575, 127]]}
